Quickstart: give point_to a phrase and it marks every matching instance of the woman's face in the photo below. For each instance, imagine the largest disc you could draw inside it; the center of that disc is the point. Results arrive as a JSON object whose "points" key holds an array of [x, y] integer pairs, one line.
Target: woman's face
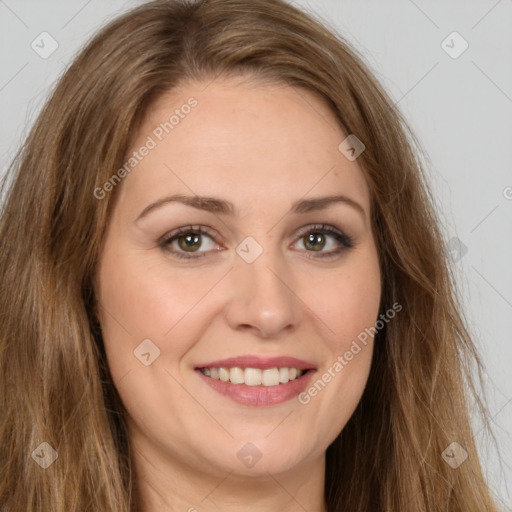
{"points": [[267, 278]]}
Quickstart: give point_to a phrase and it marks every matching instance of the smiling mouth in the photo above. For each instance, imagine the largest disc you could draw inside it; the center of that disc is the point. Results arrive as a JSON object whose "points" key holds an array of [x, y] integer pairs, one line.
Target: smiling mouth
{"points": [[254, 376]]}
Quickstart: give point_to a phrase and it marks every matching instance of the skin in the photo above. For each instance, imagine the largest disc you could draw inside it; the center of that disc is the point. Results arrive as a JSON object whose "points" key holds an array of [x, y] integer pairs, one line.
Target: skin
{"points": [[261, 147]]}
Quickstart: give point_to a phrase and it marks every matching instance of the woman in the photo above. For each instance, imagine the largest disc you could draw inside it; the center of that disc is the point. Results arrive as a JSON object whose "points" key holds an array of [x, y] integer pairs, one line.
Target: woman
{"points": [[224, 285]]}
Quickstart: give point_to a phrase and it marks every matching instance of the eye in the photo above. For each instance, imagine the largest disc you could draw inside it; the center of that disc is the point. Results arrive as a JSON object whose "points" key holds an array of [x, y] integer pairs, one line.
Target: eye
{"points": [[185, 242], [193, 242], [318, 237]]}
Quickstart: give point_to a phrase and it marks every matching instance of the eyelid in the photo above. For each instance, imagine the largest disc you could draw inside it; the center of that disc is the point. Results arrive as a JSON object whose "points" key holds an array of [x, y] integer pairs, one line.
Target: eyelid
{"points": [[324, 228], [176, 233], [345, 241], [196, 228]]}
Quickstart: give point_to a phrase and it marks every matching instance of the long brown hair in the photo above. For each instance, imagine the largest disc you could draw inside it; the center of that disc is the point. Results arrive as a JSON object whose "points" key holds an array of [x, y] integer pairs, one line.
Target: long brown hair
{"points": [[55, 386]]}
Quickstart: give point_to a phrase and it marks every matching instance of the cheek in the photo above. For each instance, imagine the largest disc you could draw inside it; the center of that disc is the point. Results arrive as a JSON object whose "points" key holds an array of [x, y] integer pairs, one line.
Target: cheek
{"points": [[347, 299], [347, 302], [141, 298]]}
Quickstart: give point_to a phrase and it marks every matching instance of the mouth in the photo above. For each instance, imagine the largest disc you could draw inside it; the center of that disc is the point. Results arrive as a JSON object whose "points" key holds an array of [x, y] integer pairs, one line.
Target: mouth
{"points": [[251, 380]]}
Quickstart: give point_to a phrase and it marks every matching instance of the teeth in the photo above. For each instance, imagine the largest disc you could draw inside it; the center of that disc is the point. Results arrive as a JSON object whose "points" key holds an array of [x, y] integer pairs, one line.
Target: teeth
{"points": [[223, 374], [236, 375], [254, 376], [284, 375], [270, 377]]}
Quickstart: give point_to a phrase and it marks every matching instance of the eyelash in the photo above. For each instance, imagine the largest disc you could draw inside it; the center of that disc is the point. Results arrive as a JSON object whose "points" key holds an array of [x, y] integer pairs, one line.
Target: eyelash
{"points": [[345, 241]]}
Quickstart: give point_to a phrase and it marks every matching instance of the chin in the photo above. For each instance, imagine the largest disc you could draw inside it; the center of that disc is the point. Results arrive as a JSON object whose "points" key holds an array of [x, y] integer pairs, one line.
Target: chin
{"points": [[260, 457]]}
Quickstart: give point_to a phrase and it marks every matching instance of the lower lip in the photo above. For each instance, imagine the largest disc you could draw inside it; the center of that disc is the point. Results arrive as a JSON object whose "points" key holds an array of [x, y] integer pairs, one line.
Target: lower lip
{"points": [[259, 395]]}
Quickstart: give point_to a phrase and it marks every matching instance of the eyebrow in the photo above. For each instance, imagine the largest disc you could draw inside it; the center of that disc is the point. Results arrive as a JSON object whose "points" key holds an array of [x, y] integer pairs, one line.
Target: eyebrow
{"points": [[223, 207]]}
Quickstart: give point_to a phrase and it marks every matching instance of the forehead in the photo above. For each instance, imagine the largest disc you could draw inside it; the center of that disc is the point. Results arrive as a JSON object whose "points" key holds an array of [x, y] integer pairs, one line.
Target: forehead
{"points": [[245, 141]]}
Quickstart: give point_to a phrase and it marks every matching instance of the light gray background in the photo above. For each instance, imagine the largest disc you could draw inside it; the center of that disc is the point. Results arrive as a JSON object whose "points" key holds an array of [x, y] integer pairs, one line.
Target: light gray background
{"points": [[461, 109]]}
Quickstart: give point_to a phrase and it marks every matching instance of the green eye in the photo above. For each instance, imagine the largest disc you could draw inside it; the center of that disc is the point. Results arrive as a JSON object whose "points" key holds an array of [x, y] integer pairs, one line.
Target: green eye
{"points": [[193, 242], [190, 242], [315, 241], [321, 236]]}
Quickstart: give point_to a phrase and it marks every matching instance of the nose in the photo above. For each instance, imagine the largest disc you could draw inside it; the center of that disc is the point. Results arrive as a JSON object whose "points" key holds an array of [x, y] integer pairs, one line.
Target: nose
{"points": [[263, 300]]}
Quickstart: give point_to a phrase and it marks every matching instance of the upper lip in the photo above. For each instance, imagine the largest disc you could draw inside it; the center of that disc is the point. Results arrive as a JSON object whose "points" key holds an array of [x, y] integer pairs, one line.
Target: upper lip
{"points": [[253, 361]]}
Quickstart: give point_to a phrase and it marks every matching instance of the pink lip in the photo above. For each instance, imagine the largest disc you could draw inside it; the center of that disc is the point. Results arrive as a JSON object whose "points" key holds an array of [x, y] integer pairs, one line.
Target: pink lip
{"points": [[260, 362], [259, 395]]}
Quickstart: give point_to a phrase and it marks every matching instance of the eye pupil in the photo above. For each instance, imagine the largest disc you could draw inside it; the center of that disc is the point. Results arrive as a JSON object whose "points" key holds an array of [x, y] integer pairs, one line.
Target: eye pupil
{"points": [[187, 242], [314, 238]]}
